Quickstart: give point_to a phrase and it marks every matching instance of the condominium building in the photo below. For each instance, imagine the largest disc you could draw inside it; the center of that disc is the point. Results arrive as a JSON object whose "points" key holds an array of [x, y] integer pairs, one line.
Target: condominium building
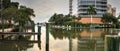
{"points": [[99, 5]]}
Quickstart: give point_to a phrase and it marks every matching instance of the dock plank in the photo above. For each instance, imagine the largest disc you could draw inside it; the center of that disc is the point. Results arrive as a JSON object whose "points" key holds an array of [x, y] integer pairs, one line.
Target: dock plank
{"points": [[22, 41], [31, 33]]}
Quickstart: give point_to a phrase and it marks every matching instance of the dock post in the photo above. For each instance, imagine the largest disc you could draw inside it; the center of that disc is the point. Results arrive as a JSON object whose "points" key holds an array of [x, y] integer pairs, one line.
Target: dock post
{"points": [[2, 36], [39, 33], [47, 36], [39, 37], [33, 28]]}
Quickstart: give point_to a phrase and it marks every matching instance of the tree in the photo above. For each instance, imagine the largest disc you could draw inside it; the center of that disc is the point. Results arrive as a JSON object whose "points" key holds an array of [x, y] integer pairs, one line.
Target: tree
{"points": [[12, 12], [60, 19], [8, 14], [53, 18], [7, 11], [5, 3], [23, 16], [91, 11], [119, 17], [109, 18]]}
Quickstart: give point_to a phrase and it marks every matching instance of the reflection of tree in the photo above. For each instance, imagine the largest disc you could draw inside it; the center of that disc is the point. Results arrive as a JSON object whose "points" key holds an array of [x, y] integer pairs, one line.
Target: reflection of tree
{"points": [[16, 45], [106, 32], [63, 33]]}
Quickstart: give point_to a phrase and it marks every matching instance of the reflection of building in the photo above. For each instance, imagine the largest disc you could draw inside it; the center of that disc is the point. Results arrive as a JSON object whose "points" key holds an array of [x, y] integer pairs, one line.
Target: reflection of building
{"points": [[85, 43]]}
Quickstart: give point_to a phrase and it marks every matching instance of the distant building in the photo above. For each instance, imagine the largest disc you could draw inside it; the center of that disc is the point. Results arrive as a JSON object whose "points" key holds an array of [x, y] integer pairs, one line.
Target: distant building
{"points": [[101, 7], [111, 10]]}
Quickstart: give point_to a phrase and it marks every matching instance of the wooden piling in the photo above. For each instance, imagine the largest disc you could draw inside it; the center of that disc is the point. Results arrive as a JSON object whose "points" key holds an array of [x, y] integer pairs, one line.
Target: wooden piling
{"points": [[39, 33], [47, 36]]}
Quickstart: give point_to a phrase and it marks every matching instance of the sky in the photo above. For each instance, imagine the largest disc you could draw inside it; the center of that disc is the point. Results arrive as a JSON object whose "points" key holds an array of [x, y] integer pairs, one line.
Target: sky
{"points": [[46, 8]]}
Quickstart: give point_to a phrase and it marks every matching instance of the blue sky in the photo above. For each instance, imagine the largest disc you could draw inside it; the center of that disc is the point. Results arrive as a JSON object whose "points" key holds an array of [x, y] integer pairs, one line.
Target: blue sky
{"points": [[45, 8]]}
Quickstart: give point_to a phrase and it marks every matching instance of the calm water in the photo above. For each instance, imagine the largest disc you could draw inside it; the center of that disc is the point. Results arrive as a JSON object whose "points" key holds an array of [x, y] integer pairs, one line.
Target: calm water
{"points": [[64, 40]]}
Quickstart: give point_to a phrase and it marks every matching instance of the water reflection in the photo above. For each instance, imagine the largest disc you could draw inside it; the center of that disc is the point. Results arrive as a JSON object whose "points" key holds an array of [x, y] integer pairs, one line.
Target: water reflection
{"points": [[112, 44], [64, 40], [17, 43], [87, 39], [64, 33]]}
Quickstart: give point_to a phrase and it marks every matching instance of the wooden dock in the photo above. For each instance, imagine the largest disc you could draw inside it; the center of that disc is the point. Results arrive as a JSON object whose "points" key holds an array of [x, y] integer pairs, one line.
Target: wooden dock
{"points": [[22, 41], [30, 33]]}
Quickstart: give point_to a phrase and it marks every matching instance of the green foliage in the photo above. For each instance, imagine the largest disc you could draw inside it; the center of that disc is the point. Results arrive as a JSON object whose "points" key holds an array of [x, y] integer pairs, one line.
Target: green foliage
{"points": [[11, 11], [60, 19], [119, 17], [69, 23], [109, 18], [23, 15], [5, 3], [14, 4], [91, 10]]}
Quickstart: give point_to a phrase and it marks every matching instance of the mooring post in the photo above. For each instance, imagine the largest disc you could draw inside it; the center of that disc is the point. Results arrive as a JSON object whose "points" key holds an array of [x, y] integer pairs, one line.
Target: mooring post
{"points": [[47, 36], [33, 28], [39, 37], [39, 33], [2, 36], [20, 32]]}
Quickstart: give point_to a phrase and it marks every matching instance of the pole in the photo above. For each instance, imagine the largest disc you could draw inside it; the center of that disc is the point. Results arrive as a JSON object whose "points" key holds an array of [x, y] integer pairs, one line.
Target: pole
{"points": [[33, 28], [70, 43], [47, 36], [39, 37], [39, 32]]}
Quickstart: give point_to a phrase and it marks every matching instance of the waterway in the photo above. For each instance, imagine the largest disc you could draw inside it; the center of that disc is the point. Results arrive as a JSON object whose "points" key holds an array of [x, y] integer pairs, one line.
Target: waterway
{"points": [[61, 39]]}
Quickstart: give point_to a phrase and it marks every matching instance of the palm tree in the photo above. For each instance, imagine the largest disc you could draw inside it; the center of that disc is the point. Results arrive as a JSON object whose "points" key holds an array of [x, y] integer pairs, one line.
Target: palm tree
{"points": [[23, 16], [12, 12], [91, 11]]}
